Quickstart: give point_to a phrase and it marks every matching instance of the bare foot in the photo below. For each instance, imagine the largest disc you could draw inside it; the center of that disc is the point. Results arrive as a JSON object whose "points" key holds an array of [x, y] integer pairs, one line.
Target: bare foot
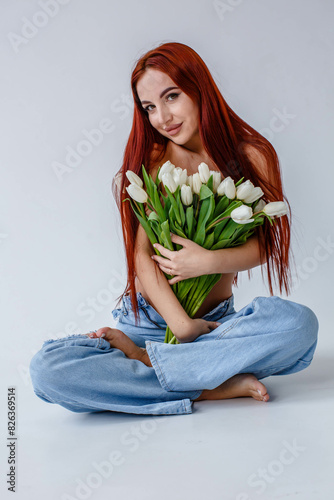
{"points": [[120, 341], [240, 385]]}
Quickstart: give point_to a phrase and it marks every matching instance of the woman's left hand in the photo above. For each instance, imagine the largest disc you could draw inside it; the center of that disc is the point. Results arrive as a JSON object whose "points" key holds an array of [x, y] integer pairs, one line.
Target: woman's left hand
{"points": [[188, 262]]}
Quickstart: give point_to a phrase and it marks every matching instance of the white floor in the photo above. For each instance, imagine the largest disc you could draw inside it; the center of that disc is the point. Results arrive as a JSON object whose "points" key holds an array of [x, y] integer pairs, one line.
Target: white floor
{"points": [[238, 449]]}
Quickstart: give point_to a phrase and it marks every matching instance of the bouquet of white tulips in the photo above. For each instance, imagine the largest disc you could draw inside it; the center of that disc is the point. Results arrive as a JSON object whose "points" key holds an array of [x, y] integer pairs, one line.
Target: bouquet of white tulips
{"points": [[212, 212]]}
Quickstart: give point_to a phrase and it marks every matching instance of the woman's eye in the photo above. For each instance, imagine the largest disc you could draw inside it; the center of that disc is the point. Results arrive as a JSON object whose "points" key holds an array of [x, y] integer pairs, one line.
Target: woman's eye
{"points": [[170, 95]]}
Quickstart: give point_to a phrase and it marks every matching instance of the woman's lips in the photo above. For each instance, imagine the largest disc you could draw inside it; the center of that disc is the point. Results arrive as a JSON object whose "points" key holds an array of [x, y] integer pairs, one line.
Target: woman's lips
{"points": [[175, 130]]}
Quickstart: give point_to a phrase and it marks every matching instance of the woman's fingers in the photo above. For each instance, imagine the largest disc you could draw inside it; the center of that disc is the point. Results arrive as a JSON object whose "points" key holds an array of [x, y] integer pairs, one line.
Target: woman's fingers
{"points": [[164, 251], [101, 332]]}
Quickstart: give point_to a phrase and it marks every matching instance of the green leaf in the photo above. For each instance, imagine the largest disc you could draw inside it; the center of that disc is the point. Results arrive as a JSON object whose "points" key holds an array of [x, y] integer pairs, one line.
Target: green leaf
{"points": [[219, 227], [205, 192], [180, 207], [157, 204], [221, 244], [153, 216], [166, 232], [190, 221], [145, 224], [268, 217], [180, 230], [167, 205], [174, 204], [157, 182], [231, 206], [164, 240], [239, 182], [204, 214], [212, 210], [147, 182], [156, 228], [171, 221], [229, 230], [210, 182], [209, 241], [222, 204]]}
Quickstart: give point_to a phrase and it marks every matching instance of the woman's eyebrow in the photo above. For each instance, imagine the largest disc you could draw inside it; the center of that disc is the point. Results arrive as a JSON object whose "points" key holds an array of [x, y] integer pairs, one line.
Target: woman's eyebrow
{"points": [[162, 93]]}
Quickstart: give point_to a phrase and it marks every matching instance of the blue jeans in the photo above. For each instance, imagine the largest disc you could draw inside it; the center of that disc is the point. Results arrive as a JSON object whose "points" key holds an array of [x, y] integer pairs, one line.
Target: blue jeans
{"points": [[269, 336]]}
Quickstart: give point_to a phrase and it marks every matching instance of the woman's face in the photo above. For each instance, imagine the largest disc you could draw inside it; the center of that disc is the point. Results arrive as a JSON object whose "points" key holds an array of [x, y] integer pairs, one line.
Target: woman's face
{"points": [[167, 107]]}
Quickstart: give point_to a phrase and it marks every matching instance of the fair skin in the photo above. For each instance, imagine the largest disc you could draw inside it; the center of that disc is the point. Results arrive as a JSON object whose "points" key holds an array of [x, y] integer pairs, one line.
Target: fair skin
{"points": [[166, 108]]}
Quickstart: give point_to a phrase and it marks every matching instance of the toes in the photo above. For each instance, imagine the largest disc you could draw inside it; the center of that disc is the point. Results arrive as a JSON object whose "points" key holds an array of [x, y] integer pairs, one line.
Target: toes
{"points": [[262, 397]]}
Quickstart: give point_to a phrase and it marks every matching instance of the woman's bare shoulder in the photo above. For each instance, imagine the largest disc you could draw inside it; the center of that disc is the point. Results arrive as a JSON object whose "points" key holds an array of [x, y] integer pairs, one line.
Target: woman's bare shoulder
{"points": [[259, 161]]}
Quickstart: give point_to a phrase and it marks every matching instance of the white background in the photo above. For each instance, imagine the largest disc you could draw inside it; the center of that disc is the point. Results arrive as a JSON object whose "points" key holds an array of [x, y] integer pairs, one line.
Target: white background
{"points": [[61, 250]]}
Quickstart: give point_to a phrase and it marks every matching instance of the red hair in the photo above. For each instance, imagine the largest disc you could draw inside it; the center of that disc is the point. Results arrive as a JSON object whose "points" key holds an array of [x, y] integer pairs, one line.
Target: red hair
{"points": [[234, 146]]}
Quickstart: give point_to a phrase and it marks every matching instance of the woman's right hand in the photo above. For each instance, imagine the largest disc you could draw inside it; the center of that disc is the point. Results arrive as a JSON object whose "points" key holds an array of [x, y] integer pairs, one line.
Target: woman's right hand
{"points": [[197, 327]]}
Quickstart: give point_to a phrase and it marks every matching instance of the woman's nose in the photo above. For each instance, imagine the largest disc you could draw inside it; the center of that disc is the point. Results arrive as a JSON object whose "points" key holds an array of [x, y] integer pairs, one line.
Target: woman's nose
{"points": [[164, 116]]}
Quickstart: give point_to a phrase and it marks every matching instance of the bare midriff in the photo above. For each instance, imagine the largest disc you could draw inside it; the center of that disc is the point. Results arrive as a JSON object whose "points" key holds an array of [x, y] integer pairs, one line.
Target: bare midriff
{"points": [[222, 290]]}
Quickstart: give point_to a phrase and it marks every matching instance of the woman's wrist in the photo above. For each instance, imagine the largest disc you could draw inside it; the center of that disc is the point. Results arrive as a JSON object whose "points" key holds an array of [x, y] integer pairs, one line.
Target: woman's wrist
{"points": [[213, 263]]}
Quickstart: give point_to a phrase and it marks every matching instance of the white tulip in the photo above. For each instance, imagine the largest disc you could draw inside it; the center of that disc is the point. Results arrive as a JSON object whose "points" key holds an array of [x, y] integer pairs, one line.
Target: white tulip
{"points": [[216, 179], [244, 189], [255, 195], [189, 181], [176, 175], [166, 167], [186, 195], [278, 208], [242, 214], [137, 193], [197, 183], [221, 189], [227, 187], [179, 176], [168, 180], [134, 178], [204, 172], [177, 169], [259, 206], [184, 176]]}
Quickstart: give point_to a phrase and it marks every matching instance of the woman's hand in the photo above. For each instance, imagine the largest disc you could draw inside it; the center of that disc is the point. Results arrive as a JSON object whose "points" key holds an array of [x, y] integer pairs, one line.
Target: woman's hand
{"points": [[101, 332], [189, 262], [197, 327]]}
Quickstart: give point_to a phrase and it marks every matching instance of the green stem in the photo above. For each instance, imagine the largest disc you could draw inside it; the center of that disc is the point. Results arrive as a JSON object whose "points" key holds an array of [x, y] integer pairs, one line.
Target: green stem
{"points": [[216, 222], [192, 308]]}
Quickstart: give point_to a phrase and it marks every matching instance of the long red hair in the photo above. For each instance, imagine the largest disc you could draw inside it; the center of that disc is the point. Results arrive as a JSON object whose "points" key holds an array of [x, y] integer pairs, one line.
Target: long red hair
{"points": [[226, 138]]}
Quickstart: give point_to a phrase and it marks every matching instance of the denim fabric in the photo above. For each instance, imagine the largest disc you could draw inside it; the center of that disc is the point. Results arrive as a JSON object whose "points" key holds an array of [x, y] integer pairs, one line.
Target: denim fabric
{"points": [[269, 336]]}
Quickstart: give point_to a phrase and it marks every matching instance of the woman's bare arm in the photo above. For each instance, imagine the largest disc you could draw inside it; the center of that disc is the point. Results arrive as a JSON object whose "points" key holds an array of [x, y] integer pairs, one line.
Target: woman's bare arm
{"points": [[235, 259], [155, 283], [157, 287]]}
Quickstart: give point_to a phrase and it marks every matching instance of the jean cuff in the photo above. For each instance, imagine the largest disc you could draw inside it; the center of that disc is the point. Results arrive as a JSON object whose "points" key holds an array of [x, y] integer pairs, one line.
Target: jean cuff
{"points": [[159, 373]]}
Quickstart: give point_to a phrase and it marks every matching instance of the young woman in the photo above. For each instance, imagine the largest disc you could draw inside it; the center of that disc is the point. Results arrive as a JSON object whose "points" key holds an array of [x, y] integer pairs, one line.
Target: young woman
{"points": [[181, 116]]}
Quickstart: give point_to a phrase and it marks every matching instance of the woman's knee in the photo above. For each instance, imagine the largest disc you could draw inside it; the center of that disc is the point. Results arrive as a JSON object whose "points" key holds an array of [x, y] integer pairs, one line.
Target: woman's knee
{"points": [[43, 370], [301, 320], [309, 333], [289, 316]]}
